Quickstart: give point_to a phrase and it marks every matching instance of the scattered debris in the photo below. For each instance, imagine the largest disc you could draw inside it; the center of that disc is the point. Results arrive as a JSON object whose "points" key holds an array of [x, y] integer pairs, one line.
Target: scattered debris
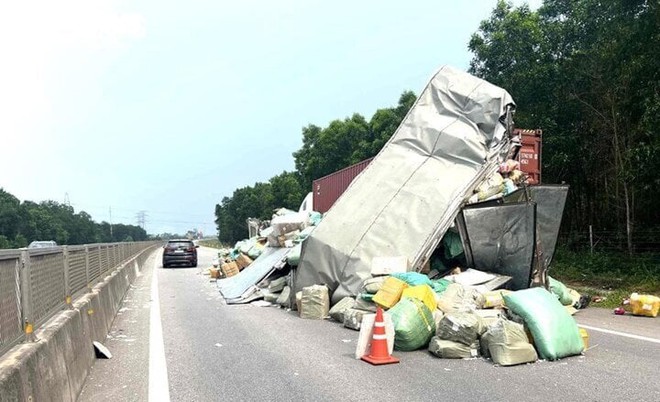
{"points": [[462, 276], [644, 305], [101, 351]]}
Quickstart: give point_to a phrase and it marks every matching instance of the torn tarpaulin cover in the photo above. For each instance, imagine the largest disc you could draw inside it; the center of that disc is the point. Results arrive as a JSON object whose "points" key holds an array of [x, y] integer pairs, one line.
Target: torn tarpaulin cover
{"points": [[405, 200]]}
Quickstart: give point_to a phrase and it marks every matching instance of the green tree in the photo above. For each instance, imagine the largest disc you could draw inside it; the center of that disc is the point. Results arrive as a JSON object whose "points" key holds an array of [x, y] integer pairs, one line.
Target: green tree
{"points": [[9, 215], [286, 191], [587, 72]]}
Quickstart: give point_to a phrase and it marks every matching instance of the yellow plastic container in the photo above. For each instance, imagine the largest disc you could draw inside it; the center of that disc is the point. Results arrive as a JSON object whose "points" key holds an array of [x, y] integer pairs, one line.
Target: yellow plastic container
{"points": [[423, 293], [646, 305], [585, 338], [390, 293]]}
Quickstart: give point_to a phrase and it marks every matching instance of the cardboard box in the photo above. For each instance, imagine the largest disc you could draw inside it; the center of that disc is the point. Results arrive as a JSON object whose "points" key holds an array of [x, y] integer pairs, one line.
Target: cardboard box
{"points": [[243, 261], [230, 269], [389, 265], [214, 272]]}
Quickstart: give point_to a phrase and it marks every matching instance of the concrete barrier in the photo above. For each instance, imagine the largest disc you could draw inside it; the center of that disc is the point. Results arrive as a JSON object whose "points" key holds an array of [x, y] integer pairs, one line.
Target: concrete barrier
{"points": [[54, 368]]}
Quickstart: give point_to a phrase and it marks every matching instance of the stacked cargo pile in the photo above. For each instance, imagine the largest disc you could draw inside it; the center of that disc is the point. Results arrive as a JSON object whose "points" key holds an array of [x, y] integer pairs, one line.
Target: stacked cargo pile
{"points": [[505, 181], [231, 262], [267, 259], [453, 319]]}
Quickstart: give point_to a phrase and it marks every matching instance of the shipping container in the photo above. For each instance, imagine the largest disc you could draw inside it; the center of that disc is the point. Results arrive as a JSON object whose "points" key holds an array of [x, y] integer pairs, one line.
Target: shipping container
{"points": [[529, 154], [327, 189]]}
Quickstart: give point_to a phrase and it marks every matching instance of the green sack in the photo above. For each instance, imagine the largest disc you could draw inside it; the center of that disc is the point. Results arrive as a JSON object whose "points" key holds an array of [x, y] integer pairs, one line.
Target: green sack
{"points": [[293, 258], [304, 234], [440, 285], [555, 332], [255, 251], [412, 278], [413, 324], [561, 291], [315, 218], [234, 254]]}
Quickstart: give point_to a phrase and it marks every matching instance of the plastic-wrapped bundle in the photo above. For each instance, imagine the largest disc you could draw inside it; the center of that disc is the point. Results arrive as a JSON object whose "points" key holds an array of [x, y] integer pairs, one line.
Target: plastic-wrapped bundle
{"points": [[284, 299], [255, 251], [353, 318], [413, 324], [337, 311], [507, 344], [277, 285], [458, 299], [452, 350], [373, 285], [505, 332], [271, 297], [461, 327], [364, 301], [315, 302]]}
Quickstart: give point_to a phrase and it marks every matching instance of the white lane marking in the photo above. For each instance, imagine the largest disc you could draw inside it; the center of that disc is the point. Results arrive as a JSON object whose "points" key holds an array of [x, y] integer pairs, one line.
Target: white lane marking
{"points": [[609, 331], [159, 388]]}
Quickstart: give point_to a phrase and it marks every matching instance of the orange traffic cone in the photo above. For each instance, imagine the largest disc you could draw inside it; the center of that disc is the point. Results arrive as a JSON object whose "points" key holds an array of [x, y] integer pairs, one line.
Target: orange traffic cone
{"points": [[379, 353]]}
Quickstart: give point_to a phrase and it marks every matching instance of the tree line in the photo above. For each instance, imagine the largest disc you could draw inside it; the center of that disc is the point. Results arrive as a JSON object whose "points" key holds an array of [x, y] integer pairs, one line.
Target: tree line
{"points": [[587, 72], [24, 222]]}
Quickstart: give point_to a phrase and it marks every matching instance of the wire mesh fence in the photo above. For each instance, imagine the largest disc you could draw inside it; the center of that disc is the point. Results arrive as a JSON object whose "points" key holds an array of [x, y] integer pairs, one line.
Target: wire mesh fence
{"points": [[36, 284], [609, 241], [94, 253], [46, 275], [11, 328], [77, 261]]}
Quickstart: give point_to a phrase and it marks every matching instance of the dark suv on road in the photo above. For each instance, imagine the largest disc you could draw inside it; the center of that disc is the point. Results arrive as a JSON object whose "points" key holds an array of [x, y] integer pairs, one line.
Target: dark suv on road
{"points": [[180, 251]]}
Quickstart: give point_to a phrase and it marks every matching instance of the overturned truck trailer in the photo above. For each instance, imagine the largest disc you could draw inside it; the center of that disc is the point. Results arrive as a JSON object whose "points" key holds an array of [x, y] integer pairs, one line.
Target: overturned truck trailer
{"points": [[454, 137]]}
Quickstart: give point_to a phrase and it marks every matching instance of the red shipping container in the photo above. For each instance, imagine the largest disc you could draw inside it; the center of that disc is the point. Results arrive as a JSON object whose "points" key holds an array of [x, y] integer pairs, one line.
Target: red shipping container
{"points": [[529, 154], [328, 188]]}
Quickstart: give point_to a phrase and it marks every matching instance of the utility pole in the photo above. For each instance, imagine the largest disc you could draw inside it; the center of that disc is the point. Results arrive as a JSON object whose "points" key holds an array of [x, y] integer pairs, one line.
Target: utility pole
{"points": [[141, 218], [110, 223]]}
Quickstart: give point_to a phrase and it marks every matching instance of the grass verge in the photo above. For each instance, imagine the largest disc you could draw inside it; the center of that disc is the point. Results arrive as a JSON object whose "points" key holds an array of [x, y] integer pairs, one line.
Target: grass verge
{"points": [[612, 276], [211, 243]]}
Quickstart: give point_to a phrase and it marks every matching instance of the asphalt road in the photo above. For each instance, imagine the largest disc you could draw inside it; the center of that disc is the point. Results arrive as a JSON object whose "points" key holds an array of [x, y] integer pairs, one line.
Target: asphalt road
{"points": [[216, 352]]}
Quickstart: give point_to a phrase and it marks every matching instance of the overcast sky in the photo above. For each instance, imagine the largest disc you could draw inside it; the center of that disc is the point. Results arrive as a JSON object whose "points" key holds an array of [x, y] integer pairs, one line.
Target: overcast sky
{"points": [[169, 106]]}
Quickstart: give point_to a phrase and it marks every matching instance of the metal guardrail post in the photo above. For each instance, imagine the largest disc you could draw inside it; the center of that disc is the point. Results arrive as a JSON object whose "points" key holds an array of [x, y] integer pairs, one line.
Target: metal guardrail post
{"points": [[67, 282], [89, 287], [26, 297]]}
